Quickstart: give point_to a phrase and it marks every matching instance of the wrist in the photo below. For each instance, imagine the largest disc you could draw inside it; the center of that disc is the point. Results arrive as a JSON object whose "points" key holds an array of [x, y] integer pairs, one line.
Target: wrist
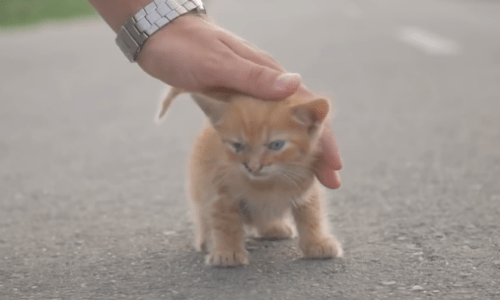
{"points": [[160, 46], [134, 34]]}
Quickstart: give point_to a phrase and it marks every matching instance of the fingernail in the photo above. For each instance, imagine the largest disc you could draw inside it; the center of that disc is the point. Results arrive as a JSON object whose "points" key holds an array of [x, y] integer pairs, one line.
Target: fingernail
{"points": [[285, 80]]}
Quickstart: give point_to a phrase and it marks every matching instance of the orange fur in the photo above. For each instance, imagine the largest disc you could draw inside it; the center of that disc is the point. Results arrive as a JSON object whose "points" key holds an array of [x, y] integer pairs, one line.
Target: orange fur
{"points": [[258, 187]]}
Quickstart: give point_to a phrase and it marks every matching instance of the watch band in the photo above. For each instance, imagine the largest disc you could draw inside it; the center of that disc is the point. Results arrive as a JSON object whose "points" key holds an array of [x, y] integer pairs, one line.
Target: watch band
{"points": [[134, 34]]}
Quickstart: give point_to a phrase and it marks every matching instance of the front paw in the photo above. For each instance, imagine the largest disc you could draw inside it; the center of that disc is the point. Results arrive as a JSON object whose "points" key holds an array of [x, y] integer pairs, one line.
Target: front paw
{"points": [[227, 258], [326, 247]]}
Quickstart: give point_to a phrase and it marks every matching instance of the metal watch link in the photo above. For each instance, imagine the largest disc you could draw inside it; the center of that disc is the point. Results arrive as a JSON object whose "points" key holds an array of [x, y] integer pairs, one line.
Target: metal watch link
{"points": [[134, 34]]}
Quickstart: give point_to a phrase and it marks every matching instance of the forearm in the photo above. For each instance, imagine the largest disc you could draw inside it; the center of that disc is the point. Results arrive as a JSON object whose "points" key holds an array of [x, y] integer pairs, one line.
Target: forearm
{"points": [[117, 12]]}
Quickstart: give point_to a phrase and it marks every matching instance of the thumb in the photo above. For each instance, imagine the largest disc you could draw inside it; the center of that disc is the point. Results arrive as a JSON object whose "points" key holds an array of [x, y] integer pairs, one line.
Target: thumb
{"points": [[260, 81]]}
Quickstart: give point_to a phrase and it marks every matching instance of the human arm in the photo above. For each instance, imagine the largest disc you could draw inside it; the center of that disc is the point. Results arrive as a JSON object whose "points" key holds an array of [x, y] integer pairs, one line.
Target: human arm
{"points": [[202, 56], [194, 54]]}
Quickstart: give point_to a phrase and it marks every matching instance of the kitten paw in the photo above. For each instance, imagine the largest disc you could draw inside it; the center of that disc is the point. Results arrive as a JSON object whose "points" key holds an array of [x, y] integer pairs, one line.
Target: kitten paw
{"points": [[201, 246], [280, 231], [327, 247], [227, 258]]}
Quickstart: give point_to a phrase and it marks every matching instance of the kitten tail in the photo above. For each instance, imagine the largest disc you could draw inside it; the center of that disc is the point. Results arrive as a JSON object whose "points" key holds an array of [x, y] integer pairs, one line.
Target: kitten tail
{"points": [[165, 104]]}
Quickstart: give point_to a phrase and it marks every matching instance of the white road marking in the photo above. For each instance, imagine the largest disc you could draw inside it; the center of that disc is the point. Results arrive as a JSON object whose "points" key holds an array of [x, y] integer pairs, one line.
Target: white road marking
{"points": [[427, 41]]}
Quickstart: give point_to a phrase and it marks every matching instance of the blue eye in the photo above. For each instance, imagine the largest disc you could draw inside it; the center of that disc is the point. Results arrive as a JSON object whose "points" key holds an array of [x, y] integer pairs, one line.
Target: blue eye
{"points": [[276, 145], [238, 147]]}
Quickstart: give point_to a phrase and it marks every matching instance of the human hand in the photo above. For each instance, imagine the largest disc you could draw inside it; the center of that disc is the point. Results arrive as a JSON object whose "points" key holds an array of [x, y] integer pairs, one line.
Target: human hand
{"points": [[193, 54], [329, 163]]}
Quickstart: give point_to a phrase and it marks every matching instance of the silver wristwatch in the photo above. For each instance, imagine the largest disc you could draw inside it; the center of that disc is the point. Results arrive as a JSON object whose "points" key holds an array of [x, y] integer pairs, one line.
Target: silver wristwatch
{"points": [[134, 34]]}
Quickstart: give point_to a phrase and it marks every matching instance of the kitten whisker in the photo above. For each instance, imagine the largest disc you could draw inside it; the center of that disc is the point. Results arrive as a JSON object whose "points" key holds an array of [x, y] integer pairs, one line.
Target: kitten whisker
{"points": [[286, 176], [297, 175], [292, 175], [227, 174]]}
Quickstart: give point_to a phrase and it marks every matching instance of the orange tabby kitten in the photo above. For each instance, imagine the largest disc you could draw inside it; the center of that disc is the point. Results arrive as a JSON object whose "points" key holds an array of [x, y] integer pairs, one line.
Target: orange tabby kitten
{"points": [[251, 166]]}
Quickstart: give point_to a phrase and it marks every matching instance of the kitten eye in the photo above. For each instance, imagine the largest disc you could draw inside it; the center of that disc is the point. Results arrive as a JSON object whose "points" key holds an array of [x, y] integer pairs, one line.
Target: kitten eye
{"points": [[276, 145], [238, 147]]}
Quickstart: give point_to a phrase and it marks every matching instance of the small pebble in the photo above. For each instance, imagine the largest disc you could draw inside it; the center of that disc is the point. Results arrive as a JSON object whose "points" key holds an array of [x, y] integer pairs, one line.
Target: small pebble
{"points": [[388, 282], [417, 288], [412, 247]]}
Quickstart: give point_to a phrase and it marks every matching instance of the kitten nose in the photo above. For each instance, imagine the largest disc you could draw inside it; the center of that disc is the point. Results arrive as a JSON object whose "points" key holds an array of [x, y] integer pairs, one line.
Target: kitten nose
{"points": [[253, 166]]}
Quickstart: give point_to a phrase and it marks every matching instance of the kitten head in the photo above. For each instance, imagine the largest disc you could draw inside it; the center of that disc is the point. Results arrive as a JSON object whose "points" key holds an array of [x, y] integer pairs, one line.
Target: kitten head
{"points": [[268, 140]]}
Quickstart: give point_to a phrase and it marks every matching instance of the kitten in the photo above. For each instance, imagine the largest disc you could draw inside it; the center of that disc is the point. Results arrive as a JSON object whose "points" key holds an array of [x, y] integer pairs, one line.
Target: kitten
{"points": [[251, 166]]}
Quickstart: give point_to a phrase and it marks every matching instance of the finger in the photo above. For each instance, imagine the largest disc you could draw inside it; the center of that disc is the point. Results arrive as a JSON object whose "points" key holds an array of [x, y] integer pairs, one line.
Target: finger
{"points": [[330, 155], [256, 80], [248, 52], [219, 93], [329, 178]]}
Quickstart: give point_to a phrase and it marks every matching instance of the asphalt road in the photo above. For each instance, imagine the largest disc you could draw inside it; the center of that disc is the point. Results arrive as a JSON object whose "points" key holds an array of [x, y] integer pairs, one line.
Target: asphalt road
{"points": [[92, 192]]}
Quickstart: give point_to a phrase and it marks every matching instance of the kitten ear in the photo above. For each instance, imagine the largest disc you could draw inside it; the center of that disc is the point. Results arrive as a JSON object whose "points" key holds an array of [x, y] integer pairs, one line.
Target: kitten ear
{"points": [[212, 108], [312, 113]]}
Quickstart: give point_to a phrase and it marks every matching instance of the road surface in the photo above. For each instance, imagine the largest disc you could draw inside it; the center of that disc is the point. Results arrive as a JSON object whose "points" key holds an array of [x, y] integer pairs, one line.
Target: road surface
{"points": [[92, 199]]}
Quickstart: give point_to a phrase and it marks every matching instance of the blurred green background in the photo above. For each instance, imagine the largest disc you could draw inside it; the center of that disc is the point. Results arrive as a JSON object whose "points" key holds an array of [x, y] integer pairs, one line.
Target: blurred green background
{"points": [[28, 12]]}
